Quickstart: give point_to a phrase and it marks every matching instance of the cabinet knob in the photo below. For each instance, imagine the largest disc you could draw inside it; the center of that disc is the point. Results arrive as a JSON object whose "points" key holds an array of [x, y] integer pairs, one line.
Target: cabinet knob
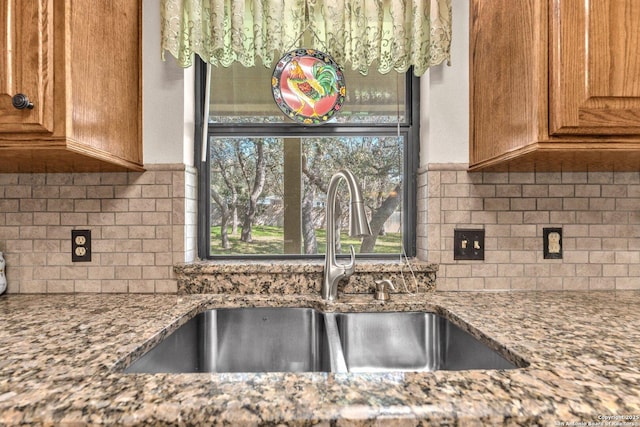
{"points": [[21, 101]]}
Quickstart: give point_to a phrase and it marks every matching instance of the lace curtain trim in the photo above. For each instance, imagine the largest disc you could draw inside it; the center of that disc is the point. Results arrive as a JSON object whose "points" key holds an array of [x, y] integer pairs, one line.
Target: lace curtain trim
{"points": [[394, 34]]}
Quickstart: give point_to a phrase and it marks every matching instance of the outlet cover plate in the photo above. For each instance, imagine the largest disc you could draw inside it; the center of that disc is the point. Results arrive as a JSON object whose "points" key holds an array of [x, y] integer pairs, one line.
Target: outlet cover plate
{"points": [[468, 244], [80, 245], [552, 243]]}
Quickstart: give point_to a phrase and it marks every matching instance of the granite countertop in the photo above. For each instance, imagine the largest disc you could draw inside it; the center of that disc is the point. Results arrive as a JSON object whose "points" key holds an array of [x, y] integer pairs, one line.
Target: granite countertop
{"points": [[61, 356]]}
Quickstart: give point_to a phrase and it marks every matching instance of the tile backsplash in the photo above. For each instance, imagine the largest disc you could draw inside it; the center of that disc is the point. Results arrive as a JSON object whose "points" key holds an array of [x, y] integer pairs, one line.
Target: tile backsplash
{"points": [[141, 225], [599, 213]]}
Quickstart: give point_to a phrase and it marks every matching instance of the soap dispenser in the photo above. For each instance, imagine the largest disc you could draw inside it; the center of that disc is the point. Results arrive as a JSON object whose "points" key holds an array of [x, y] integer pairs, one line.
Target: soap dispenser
{"points": [[3, 277], [382, 290]]}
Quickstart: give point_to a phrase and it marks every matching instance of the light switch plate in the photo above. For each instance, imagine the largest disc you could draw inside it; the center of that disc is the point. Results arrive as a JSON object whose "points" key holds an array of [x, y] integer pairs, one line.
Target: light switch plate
{"points": [[468, 244]]}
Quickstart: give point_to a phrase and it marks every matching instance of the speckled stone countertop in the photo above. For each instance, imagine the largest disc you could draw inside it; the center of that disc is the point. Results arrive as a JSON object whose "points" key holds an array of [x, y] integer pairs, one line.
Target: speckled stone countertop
{"points": [[298, 277], [60, 358]]}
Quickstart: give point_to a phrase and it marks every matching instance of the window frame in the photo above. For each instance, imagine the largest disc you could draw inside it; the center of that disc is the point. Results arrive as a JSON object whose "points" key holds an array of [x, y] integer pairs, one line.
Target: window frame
{"points": [[410, 130]]}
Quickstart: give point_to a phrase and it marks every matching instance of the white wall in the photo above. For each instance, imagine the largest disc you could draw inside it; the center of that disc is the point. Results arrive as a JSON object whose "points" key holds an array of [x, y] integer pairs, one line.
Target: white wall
{"points": [[167, 90], [444, 126], [168, 99]]}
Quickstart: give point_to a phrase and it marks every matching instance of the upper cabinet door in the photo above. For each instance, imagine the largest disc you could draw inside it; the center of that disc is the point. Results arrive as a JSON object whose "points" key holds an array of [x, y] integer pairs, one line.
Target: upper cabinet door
{"points": [[594, 67], [26, 65]]}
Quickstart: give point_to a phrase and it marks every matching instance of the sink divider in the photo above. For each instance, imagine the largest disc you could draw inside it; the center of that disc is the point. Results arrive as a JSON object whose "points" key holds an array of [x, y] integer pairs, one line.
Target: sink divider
{"points": [[336, 355]]}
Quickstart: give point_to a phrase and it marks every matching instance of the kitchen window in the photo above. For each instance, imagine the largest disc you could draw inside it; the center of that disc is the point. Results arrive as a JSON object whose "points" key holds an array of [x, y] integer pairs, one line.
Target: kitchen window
{"points": [[263, 177]]}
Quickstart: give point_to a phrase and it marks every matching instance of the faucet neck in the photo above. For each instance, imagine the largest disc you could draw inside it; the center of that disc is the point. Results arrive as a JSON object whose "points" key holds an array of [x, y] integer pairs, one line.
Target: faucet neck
{"points": [[333, 272]]}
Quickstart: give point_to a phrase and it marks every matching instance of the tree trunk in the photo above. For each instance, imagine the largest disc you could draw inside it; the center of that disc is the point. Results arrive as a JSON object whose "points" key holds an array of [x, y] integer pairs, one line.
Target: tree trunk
{"points": [[308, 225], [224, 221], [258, 185], [224, 235], [234, 213], [317, 181], [378, 218], [227, 210]]}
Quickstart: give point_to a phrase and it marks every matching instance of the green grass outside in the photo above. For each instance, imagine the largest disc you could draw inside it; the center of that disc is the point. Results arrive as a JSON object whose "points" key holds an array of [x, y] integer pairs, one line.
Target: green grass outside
{"points": [[268, 240]]}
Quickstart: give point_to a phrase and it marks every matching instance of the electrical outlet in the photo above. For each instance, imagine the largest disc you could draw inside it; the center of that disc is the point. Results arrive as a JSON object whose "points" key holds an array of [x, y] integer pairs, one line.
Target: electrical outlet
{"points": [[80, 245], [468, 244], [552, 243]]}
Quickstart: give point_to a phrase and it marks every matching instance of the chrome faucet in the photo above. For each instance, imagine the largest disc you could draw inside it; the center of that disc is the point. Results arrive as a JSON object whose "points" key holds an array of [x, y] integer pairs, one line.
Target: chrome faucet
{"points": [[359, 226]]}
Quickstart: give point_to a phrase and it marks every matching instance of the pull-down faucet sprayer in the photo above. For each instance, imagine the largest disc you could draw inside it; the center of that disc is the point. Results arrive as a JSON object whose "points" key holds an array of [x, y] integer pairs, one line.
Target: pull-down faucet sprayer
{"points": [[359, 226]]}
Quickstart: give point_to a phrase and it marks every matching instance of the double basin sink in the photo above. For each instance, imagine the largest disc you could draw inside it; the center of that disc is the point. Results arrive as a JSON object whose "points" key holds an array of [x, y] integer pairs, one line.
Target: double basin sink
{"points": [[307, 340]]}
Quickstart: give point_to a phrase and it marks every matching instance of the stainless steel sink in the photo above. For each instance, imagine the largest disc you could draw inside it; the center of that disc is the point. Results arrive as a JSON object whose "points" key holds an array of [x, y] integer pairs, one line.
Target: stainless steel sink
{"points": [[242, 340], [304, 340], [411, 341]]}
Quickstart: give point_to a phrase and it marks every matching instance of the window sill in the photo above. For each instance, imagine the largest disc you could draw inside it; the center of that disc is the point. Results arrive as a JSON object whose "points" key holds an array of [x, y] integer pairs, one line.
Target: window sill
{"points": [[297, 277]]}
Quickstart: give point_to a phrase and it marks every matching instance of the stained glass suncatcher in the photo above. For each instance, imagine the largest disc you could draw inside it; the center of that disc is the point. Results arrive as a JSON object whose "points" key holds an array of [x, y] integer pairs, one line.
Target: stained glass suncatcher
{"points": [[308, 86]]}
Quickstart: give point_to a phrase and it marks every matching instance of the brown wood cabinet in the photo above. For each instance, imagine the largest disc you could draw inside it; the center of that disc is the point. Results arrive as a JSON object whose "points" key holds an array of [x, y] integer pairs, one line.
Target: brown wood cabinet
{"points": [[555, 85], [78, 63]]}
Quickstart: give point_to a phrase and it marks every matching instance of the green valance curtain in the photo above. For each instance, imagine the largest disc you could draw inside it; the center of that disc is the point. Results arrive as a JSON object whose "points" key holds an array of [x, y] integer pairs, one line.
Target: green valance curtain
{"points": [[394, 34]]}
